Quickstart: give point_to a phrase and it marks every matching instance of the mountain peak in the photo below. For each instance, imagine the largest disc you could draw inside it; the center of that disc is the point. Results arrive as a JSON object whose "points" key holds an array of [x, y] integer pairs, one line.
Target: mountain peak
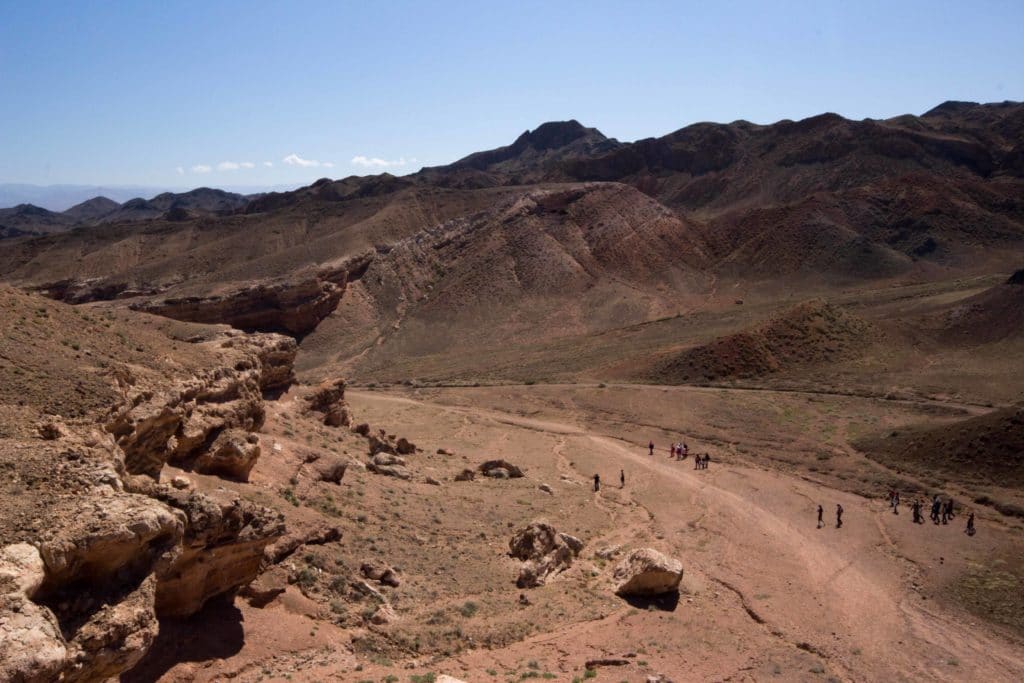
{"points": [[556, 134]]}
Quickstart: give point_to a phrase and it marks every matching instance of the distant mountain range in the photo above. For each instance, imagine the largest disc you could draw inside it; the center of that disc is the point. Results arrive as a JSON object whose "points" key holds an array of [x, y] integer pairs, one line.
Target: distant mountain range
{"points": [[563, 231], [62, 197]]}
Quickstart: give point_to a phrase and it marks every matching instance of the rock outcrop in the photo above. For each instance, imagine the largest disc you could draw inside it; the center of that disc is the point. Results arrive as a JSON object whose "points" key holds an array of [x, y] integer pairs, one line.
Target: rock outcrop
{"points": [[646, 572], [544, 552], [180, 423], [94, 550], [329, 399]]}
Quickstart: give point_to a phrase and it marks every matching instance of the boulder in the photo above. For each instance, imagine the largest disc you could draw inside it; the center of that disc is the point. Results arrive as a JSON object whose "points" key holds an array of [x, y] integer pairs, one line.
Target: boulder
{"points": [[362, 429], [381, 443], [180, 482], [432, 481], [546, 489], [645, 572], [331, 469], [233, 453], [405, 447], [488, 468], [383, 459], [384, 614], [574, 543], [544, 552], [397, 471], [465, 475]]}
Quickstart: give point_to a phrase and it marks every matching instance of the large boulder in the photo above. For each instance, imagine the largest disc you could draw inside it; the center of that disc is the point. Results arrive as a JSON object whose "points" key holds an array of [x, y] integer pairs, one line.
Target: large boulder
{"points": [[544, 552], [500, 468], [646, 572], [331, 469]]}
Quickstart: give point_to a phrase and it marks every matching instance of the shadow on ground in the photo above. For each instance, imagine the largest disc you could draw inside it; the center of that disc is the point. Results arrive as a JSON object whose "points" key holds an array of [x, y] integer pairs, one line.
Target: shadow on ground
{"points": [[666, 602], [213, 633]]}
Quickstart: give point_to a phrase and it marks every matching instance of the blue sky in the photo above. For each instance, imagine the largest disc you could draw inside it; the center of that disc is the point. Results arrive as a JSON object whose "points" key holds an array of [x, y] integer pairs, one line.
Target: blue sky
{"points": [[191, 93]]}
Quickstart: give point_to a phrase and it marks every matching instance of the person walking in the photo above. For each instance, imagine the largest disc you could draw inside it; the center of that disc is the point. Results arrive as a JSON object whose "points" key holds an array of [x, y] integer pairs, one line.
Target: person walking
{"points": [[821, 516], [707, 459], [936, 504], [970, 524], [915, 507], [686, 451], [945, 511], [839, 516], [895, 502], [622, 479], [597, 482], [650, 448]]}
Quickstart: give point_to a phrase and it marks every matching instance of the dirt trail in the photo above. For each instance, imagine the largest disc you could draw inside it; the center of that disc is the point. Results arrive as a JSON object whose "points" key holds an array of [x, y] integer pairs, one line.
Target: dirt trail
{"points": [[844, 595]]}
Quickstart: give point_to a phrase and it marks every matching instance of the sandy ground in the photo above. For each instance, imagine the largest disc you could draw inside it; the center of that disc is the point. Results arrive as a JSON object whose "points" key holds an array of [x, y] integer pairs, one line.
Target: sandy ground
{"points": [[767, 595]]}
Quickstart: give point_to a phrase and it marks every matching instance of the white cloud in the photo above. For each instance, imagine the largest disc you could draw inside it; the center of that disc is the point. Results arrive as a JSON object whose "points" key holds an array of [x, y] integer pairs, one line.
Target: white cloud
{"points": [[180, 170], [376, 162], [296, 160], [328, 164], [227, 166], [268, 164], [246, 164], [201, 168]]}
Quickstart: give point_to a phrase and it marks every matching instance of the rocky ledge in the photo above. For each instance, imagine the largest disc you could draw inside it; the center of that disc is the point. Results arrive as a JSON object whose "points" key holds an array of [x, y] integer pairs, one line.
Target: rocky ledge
{"points": [[94, 549]]}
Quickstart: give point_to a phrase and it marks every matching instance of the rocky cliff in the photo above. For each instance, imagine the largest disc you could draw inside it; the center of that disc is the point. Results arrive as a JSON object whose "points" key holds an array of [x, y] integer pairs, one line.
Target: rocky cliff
{"points": [[94, 549]]}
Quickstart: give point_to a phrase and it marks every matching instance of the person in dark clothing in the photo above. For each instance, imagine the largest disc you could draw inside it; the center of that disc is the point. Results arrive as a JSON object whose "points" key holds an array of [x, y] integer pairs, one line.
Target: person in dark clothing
{"points": [[936, 504], [650, 448], [943, 508], [970, 524], [821, 513], [707, 459], [949, 508], [916, 508], [839, 516], [597, 482], [622, 479], [696, 462]]}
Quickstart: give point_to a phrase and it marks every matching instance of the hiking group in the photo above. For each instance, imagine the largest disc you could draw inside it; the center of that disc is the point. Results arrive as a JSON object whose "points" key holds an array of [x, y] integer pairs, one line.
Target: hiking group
{"points": [[681, 451], [942, 511]]}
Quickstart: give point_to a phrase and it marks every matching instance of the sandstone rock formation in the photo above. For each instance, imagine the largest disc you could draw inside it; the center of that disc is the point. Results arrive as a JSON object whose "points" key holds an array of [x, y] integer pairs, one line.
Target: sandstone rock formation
{"points": [[645, 572], [329, 399], [544, 552], [93, 549]]}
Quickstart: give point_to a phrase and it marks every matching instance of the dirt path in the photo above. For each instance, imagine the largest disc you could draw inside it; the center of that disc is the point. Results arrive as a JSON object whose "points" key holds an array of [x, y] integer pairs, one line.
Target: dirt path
{"points": [[843, 595]]}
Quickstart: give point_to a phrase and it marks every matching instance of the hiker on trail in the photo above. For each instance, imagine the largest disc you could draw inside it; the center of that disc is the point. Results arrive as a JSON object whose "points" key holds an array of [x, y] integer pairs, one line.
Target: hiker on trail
{"points": [[970, 524], [650, 448], [696, 462], [597, 482], [945, 513], [622, 479], [839, 516], [707, 459], [936, 504], [916, 508], [895, 502], [821, 513], [949, 508], [686, 451]]}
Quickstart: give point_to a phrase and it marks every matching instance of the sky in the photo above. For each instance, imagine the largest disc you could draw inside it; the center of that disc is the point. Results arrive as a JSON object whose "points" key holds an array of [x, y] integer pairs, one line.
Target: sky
{"points": [[254, 93]]}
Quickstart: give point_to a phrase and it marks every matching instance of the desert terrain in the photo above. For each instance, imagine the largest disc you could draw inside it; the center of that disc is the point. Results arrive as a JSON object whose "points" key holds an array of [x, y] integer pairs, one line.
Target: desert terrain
{"points": [[351, 432]]}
